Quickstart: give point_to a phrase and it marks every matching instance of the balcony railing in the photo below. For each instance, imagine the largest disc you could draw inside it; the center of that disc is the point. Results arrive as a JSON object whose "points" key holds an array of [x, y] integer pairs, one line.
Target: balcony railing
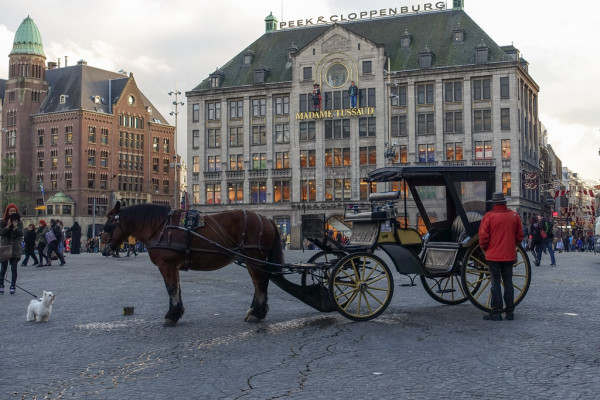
{"points": [[483, 163], [455, 163], [212, 176], [234, 174]]}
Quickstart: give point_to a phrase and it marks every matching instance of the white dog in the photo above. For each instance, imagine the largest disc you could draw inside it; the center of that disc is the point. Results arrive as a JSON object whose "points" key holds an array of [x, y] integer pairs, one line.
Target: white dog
{"points": [[39, 310]]}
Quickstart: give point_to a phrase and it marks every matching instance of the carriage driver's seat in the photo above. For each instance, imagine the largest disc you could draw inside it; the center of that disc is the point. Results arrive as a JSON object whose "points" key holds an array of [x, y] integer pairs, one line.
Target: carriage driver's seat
{"points": [[458, 228]]}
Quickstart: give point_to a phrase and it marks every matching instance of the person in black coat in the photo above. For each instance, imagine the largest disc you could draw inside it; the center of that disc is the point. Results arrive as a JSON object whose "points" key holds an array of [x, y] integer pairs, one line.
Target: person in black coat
{"points": [[75, 238], [29, 240]]}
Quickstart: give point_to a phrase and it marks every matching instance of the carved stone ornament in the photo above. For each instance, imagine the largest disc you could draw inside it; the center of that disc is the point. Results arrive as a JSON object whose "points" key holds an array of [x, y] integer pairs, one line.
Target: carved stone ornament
{"points": [[336, 43]]}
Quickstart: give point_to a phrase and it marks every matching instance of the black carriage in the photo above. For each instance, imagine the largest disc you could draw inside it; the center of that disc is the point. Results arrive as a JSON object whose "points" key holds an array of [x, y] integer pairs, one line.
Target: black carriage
{"points": [[451, 266]]}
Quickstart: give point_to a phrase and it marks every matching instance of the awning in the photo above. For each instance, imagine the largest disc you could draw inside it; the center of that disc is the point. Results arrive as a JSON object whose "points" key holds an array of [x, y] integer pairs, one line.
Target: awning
{"points": [[40, 208]]}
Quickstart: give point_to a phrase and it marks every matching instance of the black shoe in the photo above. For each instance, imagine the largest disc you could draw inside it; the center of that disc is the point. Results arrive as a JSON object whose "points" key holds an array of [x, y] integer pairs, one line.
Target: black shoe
{"points": [[492, 317], [553, 265], [61, 264], [510, 316], [12, 290]]}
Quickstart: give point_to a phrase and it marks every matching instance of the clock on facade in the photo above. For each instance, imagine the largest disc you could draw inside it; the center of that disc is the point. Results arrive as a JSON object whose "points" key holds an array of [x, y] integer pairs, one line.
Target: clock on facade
{"points": [[337, 75]]}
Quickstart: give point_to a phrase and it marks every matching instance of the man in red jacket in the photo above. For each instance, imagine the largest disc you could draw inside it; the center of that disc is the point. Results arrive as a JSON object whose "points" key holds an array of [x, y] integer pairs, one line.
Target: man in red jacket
{"points": [[500, 232]]}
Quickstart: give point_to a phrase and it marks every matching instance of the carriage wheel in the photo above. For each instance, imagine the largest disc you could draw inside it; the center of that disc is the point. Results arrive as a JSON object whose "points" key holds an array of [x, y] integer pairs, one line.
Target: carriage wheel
{"points": [[361, 286], [445, 289], [322, 257], [476, 277]]}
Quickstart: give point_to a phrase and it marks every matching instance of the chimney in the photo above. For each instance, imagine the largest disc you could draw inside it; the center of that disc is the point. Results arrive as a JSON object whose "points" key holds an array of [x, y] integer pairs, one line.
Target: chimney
{"points": [[66, 61], [59, 62], [51, 65]]}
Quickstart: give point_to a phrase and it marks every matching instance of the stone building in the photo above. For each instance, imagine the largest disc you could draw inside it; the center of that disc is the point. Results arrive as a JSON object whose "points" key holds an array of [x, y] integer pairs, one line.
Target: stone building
{"points": [[77, 138], [433, 89]]}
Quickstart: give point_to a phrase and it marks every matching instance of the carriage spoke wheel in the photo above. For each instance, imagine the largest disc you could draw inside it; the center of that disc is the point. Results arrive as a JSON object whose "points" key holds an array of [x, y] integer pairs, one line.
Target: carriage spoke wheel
{"points": [[476, 279], [321, 257], [361, 286], [445, 289]]}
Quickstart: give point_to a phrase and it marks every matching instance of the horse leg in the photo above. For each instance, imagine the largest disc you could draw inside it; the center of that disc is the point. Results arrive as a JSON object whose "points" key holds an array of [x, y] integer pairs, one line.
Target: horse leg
{"points": [[171, 277], [258, 309]]}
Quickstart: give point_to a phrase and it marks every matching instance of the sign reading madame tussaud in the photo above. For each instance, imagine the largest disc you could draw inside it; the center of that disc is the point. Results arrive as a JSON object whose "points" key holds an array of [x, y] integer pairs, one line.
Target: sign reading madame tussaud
{"points": [[346, 112], [385, 12]]}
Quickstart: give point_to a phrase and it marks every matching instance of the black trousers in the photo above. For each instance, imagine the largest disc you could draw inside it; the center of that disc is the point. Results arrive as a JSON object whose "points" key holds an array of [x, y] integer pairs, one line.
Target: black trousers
{"points": [[14, 261], [501, 273]]}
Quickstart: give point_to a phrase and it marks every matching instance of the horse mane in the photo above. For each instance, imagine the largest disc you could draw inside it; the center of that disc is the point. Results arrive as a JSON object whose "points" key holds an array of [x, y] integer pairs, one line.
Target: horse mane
{"points": [[143, 218]]}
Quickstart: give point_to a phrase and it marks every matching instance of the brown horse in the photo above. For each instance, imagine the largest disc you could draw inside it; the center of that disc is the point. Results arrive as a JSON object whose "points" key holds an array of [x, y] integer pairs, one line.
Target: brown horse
{"points": [[203, 243]]}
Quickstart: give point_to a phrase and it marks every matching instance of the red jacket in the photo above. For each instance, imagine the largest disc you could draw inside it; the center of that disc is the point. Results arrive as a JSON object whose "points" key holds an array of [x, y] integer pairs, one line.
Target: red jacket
{"points": [[500, 232]]}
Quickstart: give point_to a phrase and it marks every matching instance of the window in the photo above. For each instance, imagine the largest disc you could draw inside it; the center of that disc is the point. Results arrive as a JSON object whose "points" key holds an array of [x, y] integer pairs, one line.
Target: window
{"points": [[483, 150], [337, 189], [398, 125], [236, 137], [165, 145], [337, 128], [155, 144], [91, 134], [91, 157], [425, 124], [425, 93], [281, 191], [11, 138], [166, 189], [482, 120], [213, 193], [482, 89], [453, 92], [213, 138], [308, 158], [258, 192], [259, 107], [54, 136], [505, 144], [282, 105], [307, 130], [40, 159], [40, 136], [282, 159], [303, 104], [458, 36], [68, 134], [103, 158], [195, 112], [259, 134], [307, 73], [236, 162], [367, 155], [154, 164], [504, 89], [214, 111], [91, 179], [366, 127], [337, 157], [367, 188], [398, 94], [403, 154], [405, 42], [196, 164], [69, 180], [196, 139], [308, 190], [282, 133], [214, 164], [454, 122], [235, 192], [155, 182], [236, 109], [505, 118], [103, 138], [454, 151], [259, 161], [426, 153], [506, 183], [166, 165], [367, 67]]}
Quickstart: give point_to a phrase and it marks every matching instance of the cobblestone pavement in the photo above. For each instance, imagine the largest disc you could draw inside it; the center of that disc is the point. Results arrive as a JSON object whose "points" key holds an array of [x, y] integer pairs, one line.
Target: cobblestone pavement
{"points": [[417, 349]]}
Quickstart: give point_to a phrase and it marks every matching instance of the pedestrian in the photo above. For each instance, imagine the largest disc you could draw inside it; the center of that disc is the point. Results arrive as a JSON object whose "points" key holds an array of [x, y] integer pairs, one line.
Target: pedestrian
{"points": [[131, 241], [29, 241], [353, 93], [42, 243], [61, 242], [76, 238], [535, 234], [547, 231], [11, 233], [56, 229], [500, 232]]}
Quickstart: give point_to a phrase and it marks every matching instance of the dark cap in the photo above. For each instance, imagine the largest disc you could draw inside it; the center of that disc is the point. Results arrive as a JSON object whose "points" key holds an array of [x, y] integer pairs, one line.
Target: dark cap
{"points": [[498, 197]]}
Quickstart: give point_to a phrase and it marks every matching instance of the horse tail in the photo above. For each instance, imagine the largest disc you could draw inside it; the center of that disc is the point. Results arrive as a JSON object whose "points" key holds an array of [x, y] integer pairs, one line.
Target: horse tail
{"points": [[276, 253]]}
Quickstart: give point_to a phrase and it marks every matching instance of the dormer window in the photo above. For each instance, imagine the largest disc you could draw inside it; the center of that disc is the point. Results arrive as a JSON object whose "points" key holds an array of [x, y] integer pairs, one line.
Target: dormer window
{"points": [[97, 100], [216, 78], [425, 58], [149, 110], [130, 100], [248, 57], [458, 34], [405, 40], [260, 74], [482, 53], [63, 98]]}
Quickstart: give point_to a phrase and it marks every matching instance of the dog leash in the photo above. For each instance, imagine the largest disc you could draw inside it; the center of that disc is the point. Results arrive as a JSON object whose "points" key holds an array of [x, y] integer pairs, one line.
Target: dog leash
{"points": [[26, 291]]}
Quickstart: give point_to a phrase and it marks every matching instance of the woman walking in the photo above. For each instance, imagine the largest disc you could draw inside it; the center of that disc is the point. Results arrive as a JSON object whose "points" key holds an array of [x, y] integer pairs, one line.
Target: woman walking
{"points": [[11, 232], [41, 238], [53, 244], [75, 238], [29, 240]]}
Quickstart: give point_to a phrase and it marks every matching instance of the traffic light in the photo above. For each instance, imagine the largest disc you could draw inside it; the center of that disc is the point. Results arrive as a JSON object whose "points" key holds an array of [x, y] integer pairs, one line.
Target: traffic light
{"points": [[555, 214]]}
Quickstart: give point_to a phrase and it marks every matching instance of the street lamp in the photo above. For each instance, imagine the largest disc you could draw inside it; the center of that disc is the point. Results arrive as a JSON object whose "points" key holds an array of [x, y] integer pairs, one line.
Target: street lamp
{"points": [[176, 103]]}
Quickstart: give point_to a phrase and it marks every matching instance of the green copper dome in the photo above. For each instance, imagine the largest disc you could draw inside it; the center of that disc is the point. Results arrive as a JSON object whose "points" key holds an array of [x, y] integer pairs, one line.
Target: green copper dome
{"points": [[28, 39]]}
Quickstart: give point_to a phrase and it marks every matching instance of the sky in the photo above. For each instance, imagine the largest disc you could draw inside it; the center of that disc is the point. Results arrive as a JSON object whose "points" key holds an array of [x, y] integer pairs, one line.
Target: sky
{"points": [[175, 44]]}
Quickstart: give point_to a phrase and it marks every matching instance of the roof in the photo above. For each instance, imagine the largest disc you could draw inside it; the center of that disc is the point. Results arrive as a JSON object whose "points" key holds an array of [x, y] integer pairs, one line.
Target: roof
{"points": [[60, 197], [28, 39], [433, 30], [2, 90], [81, 84]]}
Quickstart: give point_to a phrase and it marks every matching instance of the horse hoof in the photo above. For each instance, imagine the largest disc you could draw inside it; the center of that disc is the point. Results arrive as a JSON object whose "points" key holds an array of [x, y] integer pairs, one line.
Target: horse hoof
{"points": [[169, 323], [252, 319]]}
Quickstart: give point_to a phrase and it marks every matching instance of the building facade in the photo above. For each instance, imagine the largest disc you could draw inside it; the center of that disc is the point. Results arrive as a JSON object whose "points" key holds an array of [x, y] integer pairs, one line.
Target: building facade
{"points": [[433, 89], [77, 138]]}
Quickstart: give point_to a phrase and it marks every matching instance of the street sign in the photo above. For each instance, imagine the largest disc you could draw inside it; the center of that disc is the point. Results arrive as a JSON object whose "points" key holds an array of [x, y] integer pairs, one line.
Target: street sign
{"points": [[549, 200]]}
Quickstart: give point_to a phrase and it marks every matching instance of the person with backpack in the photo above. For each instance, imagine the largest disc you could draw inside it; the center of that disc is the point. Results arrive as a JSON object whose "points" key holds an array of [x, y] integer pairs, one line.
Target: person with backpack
{"points": [[547, 233], [535, 234]]}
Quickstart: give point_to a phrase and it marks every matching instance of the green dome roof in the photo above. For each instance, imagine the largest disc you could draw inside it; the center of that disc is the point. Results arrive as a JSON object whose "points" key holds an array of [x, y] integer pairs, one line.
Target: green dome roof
{"points": [[60, 197], [28, 39]]}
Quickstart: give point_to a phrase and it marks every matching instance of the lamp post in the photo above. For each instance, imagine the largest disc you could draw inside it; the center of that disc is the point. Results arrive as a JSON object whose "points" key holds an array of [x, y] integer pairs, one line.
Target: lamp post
{"points": [[176, 103]]}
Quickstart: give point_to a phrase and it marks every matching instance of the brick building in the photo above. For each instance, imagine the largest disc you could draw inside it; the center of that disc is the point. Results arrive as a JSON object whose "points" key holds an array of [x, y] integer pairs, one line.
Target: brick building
{"points": [[78, 136]]}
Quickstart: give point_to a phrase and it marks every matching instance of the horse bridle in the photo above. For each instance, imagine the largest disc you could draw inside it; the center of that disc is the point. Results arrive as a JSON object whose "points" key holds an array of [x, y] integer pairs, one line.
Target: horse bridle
{"points": [[108, 248]]}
